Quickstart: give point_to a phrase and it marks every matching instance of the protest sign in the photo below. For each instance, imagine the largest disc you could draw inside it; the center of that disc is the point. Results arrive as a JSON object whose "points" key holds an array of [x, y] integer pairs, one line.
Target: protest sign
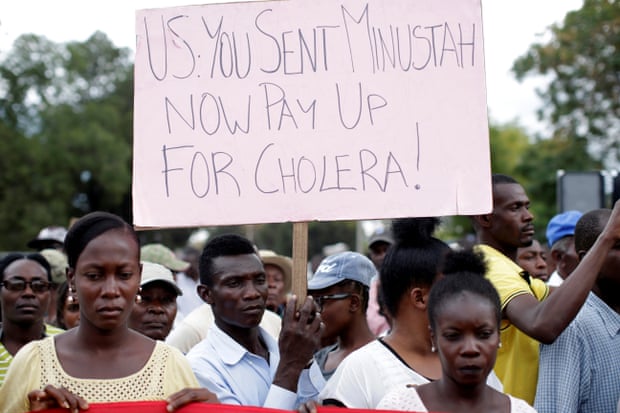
{"points": [[295, 111]]}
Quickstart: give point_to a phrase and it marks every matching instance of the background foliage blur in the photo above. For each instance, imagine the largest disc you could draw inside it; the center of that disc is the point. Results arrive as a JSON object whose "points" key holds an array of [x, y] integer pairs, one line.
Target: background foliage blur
{"points": [[66, 131]]}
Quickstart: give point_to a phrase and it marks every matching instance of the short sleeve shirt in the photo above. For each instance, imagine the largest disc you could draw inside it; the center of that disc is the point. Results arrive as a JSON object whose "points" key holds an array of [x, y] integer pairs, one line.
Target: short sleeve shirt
{"points": [[517, 359]]}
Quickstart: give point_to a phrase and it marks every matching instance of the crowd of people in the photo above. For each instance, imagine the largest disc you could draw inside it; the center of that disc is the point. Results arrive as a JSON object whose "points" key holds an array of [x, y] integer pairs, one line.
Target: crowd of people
{"points": [[513, 324]]}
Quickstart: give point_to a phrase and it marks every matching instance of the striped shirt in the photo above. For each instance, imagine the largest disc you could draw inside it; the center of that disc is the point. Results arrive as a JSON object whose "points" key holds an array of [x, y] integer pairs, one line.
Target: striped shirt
{"points": [[6, 358], [580, 371]]}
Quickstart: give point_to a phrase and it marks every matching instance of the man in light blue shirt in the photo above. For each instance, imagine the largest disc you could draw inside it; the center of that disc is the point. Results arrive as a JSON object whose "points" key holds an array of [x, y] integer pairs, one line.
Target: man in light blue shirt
{"points": [[580, 371], [238, 360]]}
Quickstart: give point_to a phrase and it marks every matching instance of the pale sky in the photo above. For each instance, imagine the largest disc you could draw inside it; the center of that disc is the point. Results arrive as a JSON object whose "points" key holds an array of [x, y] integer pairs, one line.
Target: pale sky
{"points": [[510, 26]]}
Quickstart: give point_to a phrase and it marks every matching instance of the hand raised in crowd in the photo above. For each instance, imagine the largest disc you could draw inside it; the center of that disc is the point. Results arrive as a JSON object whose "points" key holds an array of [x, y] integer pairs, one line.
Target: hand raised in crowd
{"points": [[299, 338], [51, 397]]}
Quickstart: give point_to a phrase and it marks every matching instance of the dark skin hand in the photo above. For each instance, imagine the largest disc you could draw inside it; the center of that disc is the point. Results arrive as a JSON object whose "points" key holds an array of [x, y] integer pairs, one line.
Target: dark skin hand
{"points": [[308, 407], [189, 395], [299, 339], [53, 397]]}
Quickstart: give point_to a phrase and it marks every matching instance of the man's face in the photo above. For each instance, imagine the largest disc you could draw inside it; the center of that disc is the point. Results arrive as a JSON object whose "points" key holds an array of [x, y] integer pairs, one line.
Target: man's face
{"points": [[511, 220], [378, 250], [275, 282], [533, 260], [154, 315], [239, 291], [568, 259], [28, 306]]}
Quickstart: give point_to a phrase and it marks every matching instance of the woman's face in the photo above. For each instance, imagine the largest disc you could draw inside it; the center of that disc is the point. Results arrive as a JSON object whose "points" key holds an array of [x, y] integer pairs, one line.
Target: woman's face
{"points": [[106, 279], [335, 307], [467, 337], [27, 305], [71, 313]]}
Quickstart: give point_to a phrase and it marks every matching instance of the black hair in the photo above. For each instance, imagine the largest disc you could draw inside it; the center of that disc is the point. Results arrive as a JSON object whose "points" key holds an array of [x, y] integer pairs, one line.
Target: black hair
{"points": [[589, 227], [221, 246], [502, 179], [365, 293], [63, 291], [412, 261], [89, 227], [464, 272], [360, 289], [15, 256]]}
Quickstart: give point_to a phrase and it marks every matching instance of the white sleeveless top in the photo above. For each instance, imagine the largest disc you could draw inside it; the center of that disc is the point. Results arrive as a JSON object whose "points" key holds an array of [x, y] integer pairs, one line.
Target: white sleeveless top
{"points": [[407, 399]]}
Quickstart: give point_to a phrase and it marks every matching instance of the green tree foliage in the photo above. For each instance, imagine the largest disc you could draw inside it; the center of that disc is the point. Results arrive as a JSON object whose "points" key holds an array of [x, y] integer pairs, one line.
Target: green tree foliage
{"points": [[535, 165], [508, 144], [582, 59], [538, 168], [279, 236], [66, 127]]}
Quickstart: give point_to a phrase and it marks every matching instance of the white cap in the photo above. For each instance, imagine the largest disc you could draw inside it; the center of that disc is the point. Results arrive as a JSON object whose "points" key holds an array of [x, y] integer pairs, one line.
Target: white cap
{"points": [[156, 272]]}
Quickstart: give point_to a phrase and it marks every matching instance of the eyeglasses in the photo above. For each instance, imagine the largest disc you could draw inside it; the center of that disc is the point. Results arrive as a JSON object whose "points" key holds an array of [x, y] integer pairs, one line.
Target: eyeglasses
{"points": [[320, 300], [17, 284]]}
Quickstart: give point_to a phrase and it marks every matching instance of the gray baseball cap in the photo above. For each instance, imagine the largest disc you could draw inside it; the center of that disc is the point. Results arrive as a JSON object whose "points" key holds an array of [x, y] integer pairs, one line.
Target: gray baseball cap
{"points": [[344, 266]]}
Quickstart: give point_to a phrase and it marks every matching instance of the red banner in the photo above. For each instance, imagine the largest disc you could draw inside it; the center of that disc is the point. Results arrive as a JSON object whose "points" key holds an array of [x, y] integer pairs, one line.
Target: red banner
{"points": [[160, 407]]}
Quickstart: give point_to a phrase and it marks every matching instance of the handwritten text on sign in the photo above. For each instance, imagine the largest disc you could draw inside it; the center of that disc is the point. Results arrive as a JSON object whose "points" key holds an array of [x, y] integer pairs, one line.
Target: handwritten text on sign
{"points": [[301, 110]]}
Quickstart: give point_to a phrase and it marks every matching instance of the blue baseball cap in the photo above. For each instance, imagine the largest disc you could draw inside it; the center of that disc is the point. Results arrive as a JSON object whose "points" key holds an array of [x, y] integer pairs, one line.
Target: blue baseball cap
{"points": [[562, 225], [344, 266]]}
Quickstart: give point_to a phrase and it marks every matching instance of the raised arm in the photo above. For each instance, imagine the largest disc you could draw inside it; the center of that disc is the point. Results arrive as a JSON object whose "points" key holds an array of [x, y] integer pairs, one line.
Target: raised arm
{"points": [[545, 321]]}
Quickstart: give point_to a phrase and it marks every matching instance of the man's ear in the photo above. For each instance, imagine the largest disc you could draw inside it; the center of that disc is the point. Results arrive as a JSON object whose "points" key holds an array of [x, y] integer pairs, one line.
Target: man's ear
{"points": [[484, 220], [205, 293], [581, 254]]}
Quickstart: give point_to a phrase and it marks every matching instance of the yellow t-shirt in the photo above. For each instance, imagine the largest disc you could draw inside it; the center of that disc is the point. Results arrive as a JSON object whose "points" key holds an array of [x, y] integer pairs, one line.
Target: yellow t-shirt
{"points": [[517, 359], [36, 365]]}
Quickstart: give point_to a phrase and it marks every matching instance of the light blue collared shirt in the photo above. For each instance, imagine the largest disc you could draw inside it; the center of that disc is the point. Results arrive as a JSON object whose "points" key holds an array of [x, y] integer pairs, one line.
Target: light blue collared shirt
{"points": [[580, 371], [239, 377]]}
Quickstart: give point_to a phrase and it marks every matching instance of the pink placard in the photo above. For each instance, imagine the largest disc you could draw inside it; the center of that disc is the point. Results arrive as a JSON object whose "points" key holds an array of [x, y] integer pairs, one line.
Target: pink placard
{"points": [[298, 110]]}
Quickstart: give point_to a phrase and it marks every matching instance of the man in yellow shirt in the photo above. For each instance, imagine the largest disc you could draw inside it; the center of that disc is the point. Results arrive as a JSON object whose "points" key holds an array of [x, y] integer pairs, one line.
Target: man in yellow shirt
{"points": [[530, 314]]}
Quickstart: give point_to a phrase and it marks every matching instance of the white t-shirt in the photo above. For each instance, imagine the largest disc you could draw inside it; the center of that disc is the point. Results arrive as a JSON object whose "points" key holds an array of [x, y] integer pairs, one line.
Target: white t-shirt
{"points": [[555, 280], [366, 375], [408, 399]]}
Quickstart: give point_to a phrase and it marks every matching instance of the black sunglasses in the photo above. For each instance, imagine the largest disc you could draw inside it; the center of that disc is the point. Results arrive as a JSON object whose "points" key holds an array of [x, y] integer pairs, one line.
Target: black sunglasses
{"points": [[320, 300], [18, 284]]}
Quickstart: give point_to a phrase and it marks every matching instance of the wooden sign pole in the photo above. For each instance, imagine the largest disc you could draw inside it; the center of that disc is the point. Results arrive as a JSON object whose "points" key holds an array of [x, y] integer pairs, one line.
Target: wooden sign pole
{"points": [[300, 260]]}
